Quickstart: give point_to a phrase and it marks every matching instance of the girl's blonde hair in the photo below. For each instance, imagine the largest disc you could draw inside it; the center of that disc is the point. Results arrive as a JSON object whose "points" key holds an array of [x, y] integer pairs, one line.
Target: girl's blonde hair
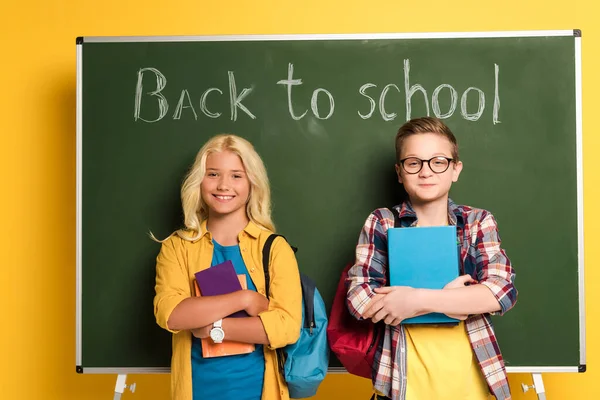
{"points": [[258, 207]]}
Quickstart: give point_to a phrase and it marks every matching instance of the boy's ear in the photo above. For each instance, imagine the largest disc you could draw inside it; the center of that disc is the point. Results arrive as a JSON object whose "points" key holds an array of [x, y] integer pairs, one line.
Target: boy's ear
{"points": [[398, 172], [456, 171]]}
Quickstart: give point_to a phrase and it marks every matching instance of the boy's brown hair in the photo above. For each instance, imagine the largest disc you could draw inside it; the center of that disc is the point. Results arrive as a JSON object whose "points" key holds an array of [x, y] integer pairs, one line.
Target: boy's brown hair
{"points": [[425, 125]]}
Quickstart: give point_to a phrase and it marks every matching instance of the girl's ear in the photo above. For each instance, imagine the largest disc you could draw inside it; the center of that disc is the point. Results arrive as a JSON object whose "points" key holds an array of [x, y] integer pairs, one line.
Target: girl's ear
{"points": [[398, 172]]}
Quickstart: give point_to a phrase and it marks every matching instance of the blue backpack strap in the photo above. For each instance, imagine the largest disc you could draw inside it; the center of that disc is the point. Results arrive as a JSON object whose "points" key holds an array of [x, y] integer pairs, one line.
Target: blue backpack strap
{"points": [[266, 257], [308, 285], [308, 296]]}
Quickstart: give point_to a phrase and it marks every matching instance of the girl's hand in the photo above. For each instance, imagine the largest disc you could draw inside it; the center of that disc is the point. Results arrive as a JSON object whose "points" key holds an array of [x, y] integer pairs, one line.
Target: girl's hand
{"points": [[255, 303], [202, 333], [459, 282], [397, 304]]}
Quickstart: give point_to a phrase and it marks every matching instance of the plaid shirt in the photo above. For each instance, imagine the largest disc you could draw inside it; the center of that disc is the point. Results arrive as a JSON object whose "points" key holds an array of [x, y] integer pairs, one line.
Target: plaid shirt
{"points": [[481, 257]]}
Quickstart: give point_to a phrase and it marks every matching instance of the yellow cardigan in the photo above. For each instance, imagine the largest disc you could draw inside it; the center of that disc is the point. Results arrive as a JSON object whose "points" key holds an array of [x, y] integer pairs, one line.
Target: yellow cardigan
{"points": [[176, 264]]}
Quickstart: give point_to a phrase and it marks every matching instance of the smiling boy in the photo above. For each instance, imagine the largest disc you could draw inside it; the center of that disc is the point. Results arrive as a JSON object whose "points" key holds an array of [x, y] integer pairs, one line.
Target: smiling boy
{"points": [[422, 362]]}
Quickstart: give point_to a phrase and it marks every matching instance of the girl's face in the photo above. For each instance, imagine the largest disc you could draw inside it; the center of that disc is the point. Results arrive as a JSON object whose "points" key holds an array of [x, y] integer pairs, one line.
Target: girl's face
{"points": [[427, 186], [225, 187]]}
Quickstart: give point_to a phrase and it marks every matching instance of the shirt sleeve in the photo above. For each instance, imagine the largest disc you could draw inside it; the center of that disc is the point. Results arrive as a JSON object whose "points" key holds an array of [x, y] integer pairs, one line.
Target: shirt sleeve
{"points": [[494, 269], [172, 282], [371, 264], [283, 318]]}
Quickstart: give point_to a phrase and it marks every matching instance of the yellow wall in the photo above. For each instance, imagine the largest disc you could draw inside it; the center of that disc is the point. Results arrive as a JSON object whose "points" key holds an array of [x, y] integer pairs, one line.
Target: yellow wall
{"points": [[37, 99]]}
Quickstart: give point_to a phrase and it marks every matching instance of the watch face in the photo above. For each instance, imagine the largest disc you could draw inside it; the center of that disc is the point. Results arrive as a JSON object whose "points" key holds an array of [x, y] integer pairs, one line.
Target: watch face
{"points": [[217, 335]]}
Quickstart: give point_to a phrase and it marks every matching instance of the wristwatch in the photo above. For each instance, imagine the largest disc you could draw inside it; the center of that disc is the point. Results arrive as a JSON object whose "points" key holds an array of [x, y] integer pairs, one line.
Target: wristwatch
{"points": [[216, 333]]}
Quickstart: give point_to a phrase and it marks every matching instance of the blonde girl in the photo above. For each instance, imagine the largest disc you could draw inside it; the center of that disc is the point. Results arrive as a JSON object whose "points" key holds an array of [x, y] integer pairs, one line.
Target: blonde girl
{"points": [[227, 216]]}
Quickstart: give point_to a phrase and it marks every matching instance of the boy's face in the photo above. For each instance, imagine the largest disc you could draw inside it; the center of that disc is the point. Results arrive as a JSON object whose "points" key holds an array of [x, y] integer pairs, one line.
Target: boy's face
{"points": [[426, 186]]}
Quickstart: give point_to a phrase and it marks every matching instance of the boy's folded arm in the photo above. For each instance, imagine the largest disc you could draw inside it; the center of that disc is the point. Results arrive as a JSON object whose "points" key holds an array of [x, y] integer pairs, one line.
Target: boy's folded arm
{"points": [[495, 292], [368, 272], [494, 268], [503, 290], [358, 299], [473, 299]]}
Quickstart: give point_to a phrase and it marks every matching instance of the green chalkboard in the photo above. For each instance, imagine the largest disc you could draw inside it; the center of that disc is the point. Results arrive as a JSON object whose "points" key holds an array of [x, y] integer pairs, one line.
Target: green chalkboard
{"points": [[323, 111]]}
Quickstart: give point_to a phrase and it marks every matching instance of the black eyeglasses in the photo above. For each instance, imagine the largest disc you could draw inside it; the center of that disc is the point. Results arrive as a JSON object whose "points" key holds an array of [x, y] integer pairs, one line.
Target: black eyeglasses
{"points": [[413, 165]]}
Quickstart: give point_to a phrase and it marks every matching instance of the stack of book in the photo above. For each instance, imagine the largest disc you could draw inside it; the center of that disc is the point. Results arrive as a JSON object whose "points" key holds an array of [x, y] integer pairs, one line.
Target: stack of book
{"points": [[217, 280]]}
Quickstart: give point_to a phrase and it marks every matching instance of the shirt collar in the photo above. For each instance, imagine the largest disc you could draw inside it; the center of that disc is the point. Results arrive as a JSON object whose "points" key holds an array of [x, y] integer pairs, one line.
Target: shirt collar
{"points": [[455, 214], [251, 229]]}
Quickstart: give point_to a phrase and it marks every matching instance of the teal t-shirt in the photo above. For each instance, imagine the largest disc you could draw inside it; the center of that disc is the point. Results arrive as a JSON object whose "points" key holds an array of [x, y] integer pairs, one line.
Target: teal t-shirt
{"points": [[237, 377]]}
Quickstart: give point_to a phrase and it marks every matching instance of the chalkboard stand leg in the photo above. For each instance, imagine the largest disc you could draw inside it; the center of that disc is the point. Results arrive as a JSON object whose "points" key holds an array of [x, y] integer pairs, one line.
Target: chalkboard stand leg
{"points": [[538, 385], [121, 385]]}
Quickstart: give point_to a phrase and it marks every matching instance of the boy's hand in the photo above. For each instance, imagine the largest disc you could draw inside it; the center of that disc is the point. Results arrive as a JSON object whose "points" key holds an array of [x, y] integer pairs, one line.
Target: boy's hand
{"points": [[396, 304], [459, 282], [255, 303], [366, 313]]}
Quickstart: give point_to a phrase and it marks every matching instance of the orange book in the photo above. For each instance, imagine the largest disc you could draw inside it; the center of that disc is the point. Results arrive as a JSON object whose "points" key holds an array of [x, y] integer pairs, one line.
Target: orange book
{"points": [[228, 347]]}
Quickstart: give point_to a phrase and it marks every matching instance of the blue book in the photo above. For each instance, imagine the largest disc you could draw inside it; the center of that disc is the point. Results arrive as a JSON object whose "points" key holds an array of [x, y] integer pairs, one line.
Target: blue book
{"points": [[424, 258]]}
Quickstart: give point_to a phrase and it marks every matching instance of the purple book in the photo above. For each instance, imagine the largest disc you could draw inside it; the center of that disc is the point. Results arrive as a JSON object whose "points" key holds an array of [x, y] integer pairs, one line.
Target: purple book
{"points": [[219, 279]]}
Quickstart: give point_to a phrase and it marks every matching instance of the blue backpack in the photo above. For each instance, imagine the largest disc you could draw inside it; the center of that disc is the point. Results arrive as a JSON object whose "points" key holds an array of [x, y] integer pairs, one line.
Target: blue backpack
{"points": [[304, 363]]}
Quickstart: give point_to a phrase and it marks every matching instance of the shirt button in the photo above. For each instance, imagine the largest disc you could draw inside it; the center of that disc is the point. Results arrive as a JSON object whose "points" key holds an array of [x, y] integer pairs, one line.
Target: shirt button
{"points": [[262, 291], [244, 249], [282, 392]]}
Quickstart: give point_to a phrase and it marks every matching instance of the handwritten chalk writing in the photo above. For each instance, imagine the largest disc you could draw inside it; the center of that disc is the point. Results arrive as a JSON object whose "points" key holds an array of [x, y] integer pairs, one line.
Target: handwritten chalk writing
{"points": [[163, 105], [411, 89], [235, 100], [495, 119], [203, 107], [362, 91], [185, 102], [435, 104], [480, 108], [384, 114], [290, 81], [179, 108], [151, 104], [314, 107]]}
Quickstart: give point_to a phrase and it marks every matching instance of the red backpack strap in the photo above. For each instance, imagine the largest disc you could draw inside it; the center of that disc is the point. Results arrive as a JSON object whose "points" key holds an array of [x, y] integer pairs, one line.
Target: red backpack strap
{"points": [[397, 222]]}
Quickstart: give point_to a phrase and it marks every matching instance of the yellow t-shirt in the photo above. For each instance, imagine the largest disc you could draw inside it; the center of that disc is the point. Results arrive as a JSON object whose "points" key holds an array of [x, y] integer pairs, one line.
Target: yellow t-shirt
{"points": [[441, 364]]}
